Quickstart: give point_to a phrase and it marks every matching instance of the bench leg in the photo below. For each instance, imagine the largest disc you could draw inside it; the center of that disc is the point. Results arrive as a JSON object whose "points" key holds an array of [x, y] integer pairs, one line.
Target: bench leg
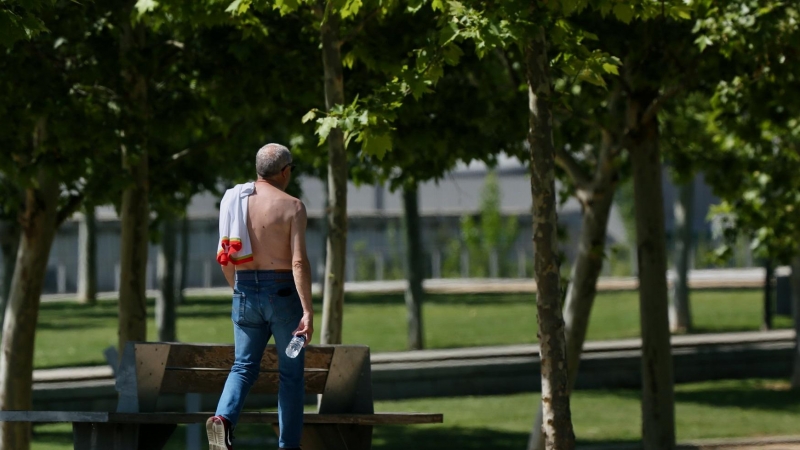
{"points": [[117, 436], [317, 436], [105, 436], [154, 436]]}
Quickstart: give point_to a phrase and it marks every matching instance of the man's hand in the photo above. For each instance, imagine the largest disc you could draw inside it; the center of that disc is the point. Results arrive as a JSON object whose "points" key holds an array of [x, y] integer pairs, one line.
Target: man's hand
{"points": [[305, 327]]}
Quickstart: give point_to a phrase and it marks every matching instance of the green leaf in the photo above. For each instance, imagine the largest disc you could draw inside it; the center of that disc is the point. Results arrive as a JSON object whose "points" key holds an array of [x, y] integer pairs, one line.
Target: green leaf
{"points": [[568, 6], [703, 41], [348, 60], [452, 54], [363, 119], [309, 116], [375, 144], [610, 68], [448, 34], [286, 6], [145, 6], [437, 5], [325, 126], [683, 11], [350, 8], [238, 7], [623, 12], [592, 78], [14, 28]]}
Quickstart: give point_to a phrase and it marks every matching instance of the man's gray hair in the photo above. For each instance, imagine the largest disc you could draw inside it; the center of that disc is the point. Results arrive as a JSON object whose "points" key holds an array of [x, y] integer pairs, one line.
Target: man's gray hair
{"points": [[271, 158]]}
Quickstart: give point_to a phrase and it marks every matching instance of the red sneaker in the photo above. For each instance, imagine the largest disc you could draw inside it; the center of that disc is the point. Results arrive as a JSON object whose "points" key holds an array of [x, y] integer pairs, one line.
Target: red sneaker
{"points": [[219, 433]]}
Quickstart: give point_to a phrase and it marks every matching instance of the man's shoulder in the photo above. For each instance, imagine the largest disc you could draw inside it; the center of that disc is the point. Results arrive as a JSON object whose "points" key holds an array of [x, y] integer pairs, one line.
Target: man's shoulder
{"points": [[293, 203], [241, 189]]}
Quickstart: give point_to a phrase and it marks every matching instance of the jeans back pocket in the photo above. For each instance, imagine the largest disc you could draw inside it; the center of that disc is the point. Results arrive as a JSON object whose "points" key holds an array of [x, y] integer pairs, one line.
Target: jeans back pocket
{"points": [[243, 311], [285, 302]]}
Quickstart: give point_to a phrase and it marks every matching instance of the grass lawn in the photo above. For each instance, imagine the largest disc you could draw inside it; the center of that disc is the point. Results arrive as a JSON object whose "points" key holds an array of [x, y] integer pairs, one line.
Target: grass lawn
{"points": [[744, 408], [70, 334]]}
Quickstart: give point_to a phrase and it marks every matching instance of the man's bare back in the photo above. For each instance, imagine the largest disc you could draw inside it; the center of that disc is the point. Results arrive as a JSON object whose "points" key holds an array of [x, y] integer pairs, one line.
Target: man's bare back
{"points": [[271, 213]]}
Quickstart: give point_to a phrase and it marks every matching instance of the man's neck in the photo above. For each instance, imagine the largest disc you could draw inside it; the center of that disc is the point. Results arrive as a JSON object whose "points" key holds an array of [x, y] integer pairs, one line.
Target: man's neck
{"points": [[270, 182]]}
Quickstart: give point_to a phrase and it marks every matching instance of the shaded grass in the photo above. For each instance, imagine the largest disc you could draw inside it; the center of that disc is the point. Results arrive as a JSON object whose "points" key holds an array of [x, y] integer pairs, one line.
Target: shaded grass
{"points": [[716, 409], [70, 334]]}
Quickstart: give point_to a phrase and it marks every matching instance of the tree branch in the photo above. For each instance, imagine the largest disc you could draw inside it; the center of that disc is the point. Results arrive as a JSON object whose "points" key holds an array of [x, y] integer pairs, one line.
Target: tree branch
{"points": [[512, 76], [66, 211], [359, 27], [203, 145], [586, 120], [654, 107], [567, 162]]}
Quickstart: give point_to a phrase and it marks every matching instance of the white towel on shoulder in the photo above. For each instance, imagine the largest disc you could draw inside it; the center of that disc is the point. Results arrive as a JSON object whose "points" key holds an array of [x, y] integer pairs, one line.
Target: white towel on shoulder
{"points": [[234, 240]]}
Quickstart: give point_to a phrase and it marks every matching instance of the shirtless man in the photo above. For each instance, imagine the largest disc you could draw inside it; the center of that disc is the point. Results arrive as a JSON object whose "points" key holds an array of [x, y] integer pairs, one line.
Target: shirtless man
{"points": [[271, 297]]}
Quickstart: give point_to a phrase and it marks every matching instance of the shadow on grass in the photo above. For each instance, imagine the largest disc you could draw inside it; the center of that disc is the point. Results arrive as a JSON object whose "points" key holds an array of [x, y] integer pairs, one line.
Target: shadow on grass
{"points": [[436, 438], [83, 312], [73, 325], [758, 395]]}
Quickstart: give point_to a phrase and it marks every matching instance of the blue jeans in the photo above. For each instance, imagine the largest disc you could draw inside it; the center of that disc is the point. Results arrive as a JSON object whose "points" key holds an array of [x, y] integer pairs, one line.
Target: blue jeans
{"points": [[266, 303]]}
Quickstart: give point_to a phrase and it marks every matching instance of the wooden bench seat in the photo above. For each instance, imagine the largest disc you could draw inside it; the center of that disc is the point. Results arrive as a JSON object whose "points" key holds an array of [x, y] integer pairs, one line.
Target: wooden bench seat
{"points": [[339, 374]]}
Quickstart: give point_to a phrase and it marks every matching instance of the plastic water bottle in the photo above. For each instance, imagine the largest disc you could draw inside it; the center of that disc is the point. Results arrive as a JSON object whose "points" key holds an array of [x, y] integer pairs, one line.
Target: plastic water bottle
{"points": [[295, 345]]}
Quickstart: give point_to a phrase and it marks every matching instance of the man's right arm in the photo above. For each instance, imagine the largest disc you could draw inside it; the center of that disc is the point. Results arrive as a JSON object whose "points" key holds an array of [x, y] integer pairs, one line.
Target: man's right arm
{"points": [[301, 269]]}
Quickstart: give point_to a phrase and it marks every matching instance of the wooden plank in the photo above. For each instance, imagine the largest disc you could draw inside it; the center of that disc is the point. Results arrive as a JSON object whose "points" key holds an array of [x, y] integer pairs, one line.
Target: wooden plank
{"points": [[349, 385], [383, 418], [222, 356], [213, 381], [53, 416], [151, 362]]}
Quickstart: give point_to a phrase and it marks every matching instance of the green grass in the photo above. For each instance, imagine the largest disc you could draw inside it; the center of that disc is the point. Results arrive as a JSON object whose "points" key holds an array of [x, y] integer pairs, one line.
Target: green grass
{"points": [[718, 409], [70, 334]]}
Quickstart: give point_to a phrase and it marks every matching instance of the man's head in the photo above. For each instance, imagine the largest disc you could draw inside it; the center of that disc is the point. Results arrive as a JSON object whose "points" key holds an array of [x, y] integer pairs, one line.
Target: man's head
{"points": [[274, 164]]}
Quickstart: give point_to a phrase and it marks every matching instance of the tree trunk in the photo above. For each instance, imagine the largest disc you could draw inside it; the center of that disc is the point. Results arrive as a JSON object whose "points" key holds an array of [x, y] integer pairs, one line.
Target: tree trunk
{"points": [[416, 267], [585, 272], [795, 280], [680, 313], [39, 222], [557, 427], [10, 233], [769, 276], [658, 412], [333, 298], [87, 257], [324, 235], [133, 258], [184, 272], [135, 212], [165, 302]]}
